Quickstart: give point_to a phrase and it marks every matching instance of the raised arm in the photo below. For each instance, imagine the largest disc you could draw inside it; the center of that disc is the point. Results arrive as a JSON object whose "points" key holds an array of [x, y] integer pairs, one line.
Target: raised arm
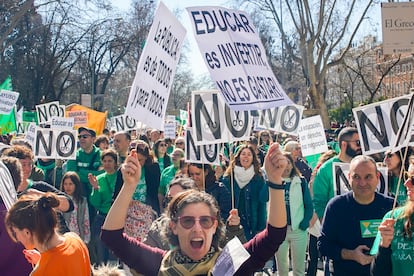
{"points": [[275, 164], [131, 173]]}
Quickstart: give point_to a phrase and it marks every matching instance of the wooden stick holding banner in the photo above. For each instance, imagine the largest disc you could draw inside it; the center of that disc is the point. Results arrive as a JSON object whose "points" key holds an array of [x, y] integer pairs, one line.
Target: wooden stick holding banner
{"points": [[403, 139]]}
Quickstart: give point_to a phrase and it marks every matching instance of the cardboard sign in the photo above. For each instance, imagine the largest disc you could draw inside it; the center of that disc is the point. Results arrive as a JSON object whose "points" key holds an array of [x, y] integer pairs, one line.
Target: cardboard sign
{"points": [[312, 136], [8, 193], [31, 134], [46, 111], [169, 130], [214, 122], [284, 119], [150, 90], [378, 124], [55, 144], [80, 117], [205, 154], [7, 101], [236, 59], [125, 123], [62, 123]]}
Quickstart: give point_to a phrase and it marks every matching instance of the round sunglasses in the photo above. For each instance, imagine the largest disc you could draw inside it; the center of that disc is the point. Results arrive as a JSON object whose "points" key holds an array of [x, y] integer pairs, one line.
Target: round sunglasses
{"points": [[187, 222]]}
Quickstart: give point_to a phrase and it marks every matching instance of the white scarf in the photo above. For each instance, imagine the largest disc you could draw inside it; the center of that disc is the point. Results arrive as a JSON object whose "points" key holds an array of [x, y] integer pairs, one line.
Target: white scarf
{"points": [[243, 176]]}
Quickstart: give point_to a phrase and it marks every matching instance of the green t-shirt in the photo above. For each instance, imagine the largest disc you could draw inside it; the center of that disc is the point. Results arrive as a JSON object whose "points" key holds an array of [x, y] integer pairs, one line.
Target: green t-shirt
{"points": [[140, 192], [323, 186], [84, 164], [402, 191], [166, 176], [402, 257], [101, 199]]}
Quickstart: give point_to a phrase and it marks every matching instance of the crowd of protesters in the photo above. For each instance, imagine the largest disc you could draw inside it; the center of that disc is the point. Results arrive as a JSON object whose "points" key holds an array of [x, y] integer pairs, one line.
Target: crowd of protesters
{"points": [[139, 189]]}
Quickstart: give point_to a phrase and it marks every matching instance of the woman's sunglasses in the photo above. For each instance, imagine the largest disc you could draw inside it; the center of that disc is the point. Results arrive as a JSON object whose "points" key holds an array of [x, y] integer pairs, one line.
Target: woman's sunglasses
{"points": [[187, 222]]}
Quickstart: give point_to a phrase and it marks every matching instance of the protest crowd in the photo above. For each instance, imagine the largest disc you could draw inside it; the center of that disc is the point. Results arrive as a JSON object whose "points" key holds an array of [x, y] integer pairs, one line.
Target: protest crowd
{"points": [[104, 211], [224, 193]]}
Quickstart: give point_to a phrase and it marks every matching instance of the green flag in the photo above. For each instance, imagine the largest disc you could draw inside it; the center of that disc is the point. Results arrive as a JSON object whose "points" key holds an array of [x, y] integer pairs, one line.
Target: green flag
{"points": [[7, 121]]}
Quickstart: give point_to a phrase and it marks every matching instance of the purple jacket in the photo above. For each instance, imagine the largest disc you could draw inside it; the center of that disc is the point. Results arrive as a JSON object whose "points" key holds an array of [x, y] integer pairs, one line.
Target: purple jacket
{"points": [[12, 260], [147, 260]]}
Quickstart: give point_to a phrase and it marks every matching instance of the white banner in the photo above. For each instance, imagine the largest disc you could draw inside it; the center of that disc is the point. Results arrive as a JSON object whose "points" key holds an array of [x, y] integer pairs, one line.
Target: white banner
{"points": [[205, 154], [46, 111], [397, 27], [7, 101], [236, 59], [55, 144], [312, 136], [284, 119], [150, 90], [214, 122], [341, 180], [378, 124]]}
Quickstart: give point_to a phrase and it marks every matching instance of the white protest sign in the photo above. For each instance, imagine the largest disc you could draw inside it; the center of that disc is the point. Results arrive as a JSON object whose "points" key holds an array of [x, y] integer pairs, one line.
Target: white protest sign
{"points": [[170, 130], [341, 181], [236, 59], [8, 193], [214, 122], [378, 124], [231, 258], [7, 101], [150, 90], [125, 123], [312, 136], [22, 127], [55, 144], [205, 154], [405, 133], [283, 119], [30, 135], [62, 123], [46, 111], [80, 117], [397, 27]]}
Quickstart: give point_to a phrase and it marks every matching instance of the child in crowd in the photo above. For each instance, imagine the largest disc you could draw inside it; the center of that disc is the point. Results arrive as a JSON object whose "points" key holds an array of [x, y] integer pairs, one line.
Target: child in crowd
{"points": [[78, 219]]}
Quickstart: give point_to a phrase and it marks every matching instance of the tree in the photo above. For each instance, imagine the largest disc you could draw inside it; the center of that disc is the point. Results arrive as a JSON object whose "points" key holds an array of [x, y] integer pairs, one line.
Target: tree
{"points": [[320, 30]]}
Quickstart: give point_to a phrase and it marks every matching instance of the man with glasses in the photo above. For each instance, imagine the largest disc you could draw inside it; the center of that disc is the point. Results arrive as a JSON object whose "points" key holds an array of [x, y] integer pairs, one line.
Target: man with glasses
{"points": [[88, 159]]}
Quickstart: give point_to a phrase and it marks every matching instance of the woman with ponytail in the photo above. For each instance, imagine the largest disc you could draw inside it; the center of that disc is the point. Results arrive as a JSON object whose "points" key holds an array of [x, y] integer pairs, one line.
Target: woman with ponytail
{"points": [[32, 221]]}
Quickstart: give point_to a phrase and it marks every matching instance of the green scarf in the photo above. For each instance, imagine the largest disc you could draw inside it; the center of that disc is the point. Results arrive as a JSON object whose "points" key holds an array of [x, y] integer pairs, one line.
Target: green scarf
{"points": [[174, 263]]}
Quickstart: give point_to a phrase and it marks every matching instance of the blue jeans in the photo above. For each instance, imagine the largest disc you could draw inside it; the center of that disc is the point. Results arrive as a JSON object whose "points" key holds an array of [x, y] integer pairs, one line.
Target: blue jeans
{"points": [[103, 254]]}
